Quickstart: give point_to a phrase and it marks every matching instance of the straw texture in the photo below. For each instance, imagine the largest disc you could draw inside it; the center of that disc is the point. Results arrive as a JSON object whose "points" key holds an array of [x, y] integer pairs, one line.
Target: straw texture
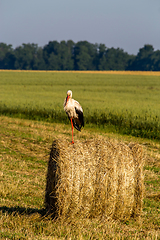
{"points": [[95, 178]]}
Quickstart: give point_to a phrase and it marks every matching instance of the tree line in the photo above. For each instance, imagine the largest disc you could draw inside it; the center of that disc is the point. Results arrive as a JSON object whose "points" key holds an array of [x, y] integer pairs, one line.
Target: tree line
{"points": [[67, 55]]}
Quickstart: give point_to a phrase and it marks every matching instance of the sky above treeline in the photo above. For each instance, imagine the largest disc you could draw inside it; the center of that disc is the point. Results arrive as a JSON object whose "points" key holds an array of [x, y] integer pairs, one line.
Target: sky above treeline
{"points": [[124, 24]]}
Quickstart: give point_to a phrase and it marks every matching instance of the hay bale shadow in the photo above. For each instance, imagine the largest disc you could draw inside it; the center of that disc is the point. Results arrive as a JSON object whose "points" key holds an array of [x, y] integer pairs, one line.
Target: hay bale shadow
{"points": [[95, 178]]}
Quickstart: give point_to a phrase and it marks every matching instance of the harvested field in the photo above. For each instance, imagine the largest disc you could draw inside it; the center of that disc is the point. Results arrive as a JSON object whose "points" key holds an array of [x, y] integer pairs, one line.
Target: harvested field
{"points": [[95, 178], [24, 153]]}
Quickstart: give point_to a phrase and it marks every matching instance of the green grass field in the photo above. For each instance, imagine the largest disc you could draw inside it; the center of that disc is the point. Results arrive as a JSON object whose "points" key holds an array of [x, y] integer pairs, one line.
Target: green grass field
{"points": [[125, 103]]}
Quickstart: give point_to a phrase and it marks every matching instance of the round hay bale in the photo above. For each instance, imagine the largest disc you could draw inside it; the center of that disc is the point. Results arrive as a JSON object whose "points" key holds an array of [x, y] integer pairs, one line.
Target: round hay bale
{"points": [[95, 178]]}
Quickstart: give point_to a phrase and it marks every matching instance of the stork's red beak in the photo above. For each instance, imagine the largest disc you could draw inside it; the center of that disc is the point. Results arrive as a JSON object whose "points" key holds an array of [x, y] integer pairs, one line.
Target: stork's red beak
{"points": [[67, 98]]}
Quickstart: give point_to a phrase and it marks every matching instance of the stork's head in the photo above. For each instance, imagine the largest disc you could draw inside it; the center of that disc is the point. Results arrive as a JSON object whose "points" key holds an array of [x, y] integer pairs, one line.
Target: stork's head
{"points": [[69, 95]]}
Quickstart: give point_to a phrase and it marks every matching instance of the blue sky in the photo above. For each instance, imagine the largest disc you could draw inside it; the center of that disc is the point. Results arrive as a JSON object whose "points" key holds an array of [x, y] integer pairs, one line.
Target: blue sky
{"points": [[127, 24]]}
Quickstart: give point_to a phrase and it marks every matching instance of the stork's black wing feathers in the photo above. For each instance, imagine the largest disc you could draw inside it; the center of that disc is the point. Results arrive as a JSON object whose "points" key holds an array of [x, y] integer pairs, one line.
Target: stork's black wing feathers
{"points": [[80, 116], [78, 123], [78, 127]]}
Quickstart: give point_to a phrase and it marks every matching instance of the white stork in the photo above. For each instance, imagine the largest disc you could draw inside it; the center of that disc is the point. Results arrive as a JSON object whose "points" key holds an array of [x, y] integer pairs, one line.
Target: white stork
{"points": [[74, 111]]}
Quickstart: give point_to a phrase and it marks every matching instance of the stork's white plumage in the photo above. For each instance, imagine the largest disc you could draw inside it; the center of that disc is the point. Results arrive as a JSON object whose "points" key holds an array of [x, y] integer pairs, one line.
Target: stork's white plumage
{"points": [[74, 111]]}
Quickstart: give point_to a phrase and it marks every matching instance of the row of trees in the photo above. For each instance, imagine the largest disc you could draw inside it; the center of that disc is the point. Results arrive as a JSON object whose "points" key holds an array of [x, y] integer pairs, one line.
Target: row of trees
{"points": [[77, 56]]}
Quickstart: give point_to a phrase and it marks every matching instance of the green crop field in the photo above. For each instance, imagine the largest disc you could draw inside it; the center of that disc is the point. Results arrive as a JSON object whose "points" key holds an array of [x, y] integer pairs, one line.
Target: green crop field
{"points": [[123, 102]]}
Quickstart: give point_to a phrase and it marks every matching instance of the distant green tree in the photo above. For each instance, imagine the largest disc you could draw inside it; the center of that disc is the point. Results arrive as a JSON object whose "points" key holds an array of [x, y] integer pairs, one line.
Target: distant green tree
{"points": [[38, 60], [101, 60], [6, 56], [66, 58], [155, 59], [59, 56], [103, 63], [144, 59], [85, 56], [25, 56], [63, 54], [9, 60], [54, 62], [116, 59], [146, 51], [51, 55], [82, 59], [69, 65], [70, 55], [101, 50]]}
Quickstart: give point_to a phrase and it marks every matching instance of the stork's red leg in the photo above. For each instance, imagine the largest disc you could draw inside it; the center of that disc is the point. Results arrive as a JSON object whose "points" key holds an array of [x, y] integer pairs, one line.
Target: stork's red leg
{"points": [[72, 132]]}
